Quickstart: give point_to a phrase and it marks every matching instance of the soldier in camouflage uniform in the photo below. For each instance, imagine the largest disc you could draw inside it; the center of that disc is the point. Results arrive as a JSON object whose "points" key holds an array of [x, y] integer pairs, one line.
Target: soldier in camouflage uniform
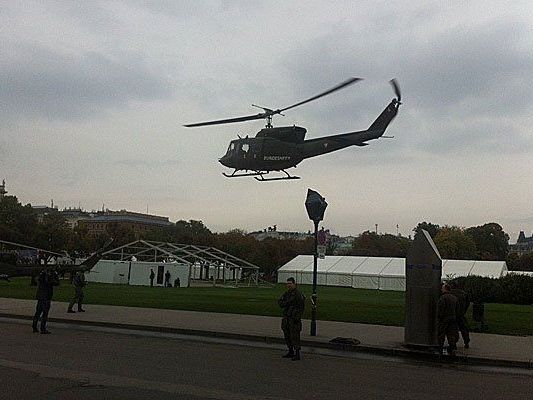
{"points": [[447, 308], [462, 308], [293, 303], [79, 283]]}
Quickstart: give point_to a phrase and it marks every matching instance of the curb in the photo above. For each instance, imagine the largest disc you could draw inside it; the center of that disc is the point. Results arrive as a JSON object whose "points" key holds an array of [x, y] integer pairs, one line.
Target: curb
{"points": [[379, 350]]}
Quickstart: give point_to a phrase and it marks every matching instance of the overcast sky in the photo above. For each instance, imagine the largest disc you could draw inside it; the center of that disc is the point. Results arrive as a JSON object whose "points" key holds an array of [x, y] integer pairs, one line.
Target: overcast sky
{"points": [[93, 96]]}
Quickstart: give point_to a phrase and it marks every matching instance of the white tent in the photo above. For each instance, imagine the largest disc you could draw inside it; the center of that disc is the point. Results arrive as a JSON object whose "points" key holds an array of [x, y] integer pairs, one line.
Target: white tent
{"points": [[107, 271], [525, 273], [393, 276], [342, 274], [306, 275], [383, 273], [366, 275], [138, 272], [491, 269], [294, 268]]}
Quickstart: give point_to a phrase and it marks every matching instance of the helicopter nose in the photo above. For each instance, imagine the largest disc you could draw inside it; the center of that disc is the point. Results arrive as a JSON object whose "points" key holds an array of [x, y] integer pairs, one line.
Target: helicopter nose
{"points": [[225, 161]]}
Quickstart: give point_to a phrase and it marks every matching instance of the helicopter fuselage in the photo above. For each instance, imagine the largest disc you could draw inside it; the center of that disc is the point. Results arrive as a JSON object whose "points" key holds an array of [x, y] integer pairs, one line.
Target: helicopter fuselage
{"points": [[272, 149], [280, 148]]}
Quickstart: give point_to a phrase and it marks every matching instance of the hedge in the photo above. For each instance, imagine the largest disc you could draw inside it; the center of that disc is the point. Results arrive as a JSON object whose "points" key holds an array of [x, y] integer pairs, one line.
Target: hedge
{"points": [[509, 289]]}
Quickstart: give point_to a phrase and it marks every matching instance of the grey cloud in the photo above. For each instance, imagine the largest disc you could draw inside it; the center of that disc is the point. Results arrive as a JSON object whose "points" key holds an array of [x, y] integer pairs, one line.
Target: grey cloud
{"points": [[153, 163], [481, 71], [41, 82], [461, 88]]}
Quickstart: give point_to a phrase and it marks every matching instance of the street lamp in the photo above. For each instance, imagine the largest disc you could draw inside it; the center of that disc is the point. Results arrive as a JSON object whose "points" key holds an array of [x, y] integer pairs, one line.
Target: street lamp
{"points": [[315, 205]]}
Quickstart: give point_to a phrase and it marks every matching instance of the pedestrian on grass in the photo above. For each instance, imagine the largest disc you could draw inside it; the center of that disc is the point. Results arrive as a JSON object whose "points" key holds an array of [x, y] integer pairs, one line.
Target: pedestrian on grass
{"points": [[463, 303], [447, 307], [79, 283], [167, 279], [177, 282], [152, 276], [45, 291], [293, 304]]}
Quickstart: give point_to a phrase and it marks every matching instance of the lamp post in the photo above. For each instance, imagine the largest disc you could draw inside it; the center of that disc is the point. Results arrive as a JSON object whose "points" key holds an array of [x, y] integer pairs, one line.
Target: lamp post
{"points": [[315, 205]]}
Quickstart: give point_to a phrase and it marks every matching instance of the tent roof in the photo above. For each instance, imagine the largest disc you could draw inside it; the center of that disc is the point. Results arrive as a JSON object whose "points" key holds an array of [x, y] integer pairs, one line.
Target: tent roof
{"points": [[492, 269], [298, 263], [372, 266], [396, 267], [347, 265], [324, 264], [390, 266], [453, 268], [144, 250]]}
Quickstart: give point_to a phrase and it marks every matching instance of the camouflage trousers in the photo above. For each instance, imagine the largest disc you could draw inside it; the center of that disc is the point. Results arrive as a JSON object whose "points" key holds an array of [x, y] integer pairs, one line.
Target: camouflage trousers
{"points": [[291, 331], [78, 298], [448, 330]]}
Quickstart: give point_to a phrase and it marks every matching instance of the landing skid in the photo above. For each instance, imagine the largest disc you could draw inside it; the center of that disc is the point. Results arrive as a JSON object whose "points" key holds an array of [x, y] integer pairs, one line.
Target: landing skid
{"points": [[282, 178], [235, 175], [260, 176]]}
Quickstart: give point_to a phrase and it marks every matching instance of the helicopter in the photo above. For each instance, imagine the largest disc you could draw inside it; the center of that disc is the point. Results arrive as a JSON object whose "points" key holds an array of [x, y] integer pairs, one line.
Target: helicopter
{"points": [[11, 267], [280, 148]]}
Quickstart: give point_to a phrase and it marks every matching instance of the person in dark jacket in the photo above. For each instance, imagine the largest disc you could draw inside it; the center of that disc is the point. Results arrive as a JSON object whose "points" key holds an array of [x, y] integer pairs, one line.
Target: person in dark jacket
{"points": [[167, 279], [447, 320], [79, 283], [293, 304], [45, 291], [152, 276], [462, 307]]}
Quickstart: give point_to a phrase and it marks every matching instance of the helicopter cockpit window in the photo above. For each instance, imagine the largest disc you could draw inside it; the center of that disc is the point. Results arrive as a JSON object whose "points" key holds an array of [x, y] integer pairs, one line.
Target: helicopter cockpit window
{"points": [[231, 147], [245, 147]]}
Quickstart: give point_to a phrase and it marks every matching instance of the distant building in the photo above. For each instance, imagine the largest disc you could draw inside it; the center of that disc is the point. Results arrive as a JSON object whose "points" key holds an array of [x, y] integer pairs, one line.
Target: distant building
{"points": [[74, 215], [42, 211], [139, 223], [272, 233], [523, 244], [342, 245]]}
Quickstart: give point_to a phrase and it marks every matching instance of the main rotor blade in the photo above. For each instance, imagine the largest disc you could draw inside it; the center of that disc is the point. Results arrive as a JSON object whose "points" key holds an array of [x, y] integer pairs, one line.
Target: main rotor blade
{"points": [[396, 87], [228, 121], [333, 89]]}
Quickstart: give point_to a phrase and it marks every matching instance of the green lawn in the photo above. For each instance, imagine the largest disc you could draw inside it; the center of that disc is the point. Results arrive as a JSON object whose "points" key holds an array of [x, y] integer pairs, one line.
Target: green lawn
{"points": [[334, 303]]}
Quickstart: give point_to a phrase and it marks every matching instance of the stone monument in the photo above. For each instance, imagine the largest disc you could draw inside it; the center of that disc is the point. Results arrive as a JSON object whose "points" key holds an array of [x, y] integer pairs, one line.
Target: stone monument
{"points": [[423, 272]]}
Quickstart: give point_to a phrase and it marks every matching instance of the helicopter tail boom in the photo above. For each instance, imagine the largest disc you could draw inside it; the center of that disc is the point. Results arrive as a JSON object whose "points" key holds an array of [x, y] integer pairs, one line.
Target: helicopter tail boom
{"points": [[315, 147]]}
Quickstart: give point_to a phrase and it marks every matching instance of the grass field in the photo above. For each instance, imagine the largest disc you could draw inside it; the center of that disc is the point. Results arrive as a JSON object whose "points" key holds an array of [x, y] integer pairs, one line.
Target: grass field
{"points": [[334, 303]]}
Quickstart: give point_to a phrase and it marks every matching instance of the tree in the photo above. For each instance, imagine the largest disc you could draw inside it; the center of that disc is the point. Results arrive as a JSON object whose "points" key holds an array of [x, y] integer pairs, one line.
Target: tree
{"points": [[17, 222], [525, 263], [453, 243], [492, 242], [513, 262], [53, 232], [387, 245], [432, 229]]}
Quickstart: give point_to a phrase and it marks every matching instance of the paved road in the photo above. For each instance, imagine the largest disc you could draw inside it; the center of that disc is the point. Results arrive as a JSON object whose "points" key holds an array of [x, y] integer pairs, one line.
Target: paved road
{"points": [[84, 364]]}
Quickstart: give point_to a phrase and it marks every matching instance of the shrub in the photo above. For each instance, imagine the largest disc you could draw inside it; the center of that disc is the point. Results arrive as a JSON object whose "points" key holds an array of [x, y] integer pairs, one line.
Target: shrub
{"points": [[510, 289]]}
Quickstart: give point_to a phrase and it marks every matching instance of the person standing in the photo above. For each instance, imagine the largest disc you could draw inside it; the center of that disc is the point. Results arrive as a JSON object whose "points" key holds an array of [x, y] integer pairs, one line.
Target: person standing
{"points": [[447, 307], [462, 307], [167, 279], [293, 303], [45, 291], [79, 283], [152, 276]]}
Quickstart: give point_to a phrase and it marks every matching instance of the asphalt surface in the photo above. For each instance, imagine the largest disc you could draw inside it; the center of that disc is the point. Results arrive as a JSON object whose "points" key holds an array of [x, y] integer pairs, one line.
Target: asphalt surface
{"points": [[82, 364]]}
